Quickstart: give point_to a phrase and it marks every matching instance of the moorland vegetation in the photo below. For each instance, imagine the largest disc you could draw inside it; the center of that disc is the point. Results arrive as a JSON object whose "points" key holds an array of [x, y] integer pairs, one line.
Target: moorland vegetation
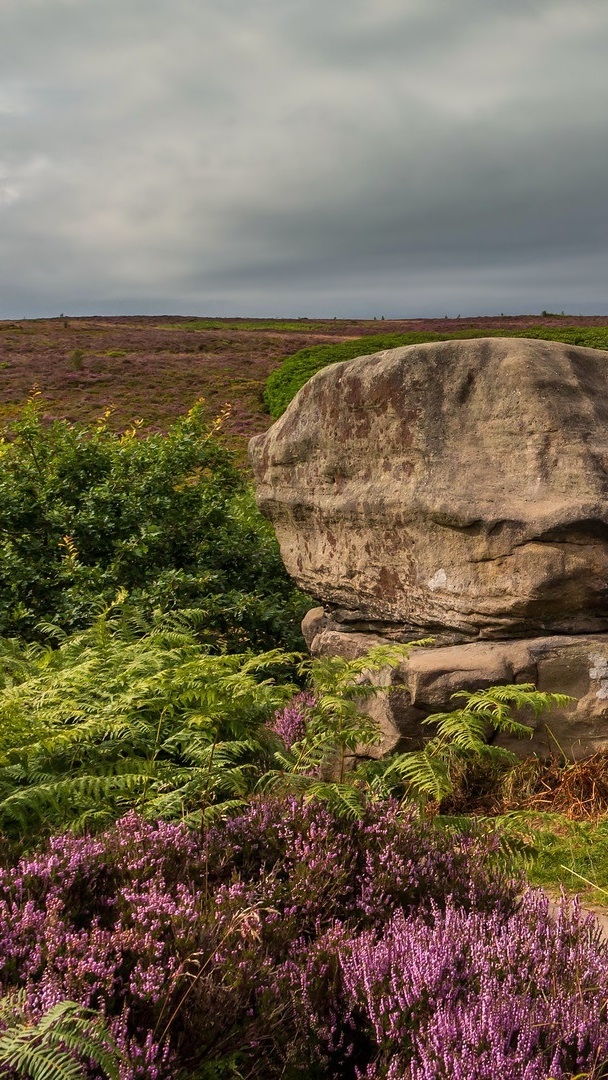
{"points": [[195, 883]]}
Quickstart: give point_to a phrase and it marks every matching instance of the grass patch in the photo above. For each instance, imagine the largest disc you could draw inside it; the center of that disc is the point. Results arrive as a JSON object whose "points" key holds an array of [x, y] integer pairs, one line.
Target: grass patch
{"points": [[552, 815], [302, 326], [559, 853]]}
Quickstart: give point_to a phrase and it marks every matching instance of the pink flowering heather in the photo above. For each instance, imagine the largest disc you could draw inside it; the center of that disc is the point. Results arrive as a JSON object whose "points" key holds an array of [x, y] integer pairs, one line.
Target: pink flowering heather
{"points": [[477, 995], [293, 941], [289, 723]]}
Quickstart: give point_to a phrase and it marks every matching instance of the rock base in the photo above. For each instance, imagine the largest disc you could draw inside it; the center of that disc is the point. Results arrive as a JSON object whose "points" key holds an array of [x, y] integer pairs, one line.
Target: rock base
{"points": [[424, 684]]}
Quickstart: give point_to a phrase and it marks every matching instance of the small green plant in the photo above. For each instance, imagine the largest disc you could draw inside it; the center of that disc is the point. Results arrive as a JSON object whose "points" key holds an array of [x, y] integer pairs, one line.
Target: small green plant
{"points": [[56, 1047], [76, 359], [112, 720], [321, 763]]}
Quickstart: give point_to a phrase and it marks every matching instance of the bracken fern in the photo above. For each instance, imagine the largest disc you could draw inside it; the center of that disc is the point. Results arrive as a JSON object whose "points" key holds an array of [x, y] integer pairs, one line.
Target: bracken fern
{"points": [[54, 1046]]}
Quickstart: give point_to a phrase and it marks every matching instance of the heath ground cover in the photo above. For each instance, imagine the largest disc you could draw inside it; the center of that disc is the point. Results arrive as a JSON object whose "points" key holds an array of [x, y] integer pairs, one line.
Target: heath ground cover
{"points": [[229, 901], [291, 941], [155, 368]]}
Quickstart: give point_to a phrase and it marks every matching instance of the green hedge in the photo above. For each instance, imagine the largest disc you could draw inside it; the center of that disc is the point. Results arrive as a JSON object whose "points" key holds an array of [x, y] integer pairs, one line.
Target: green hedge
{"points": [[297, 369]]}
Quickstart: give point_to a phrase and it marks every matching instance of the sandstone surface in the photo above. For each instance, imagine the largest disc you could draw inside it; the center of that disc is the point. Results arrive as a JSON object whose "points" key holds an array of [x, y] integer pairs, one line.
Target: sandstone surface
{"points": [[425, 682], [458, 488]]}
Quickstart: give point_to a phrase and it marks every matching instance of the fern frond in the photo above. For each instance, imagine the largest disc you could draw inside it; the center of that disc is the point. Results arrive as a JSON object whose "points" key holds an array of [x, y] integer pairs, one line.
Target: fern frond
{"points": [[44, 1050], [466, 730], [344, 799], [514, 695], [422, 772]]}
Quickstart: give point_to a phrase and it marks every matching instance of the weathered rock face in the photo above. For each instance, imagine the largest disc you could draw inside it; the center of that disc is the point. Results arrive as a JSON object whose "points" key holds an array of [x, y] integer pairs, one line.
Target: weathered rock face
{"points": [[424, 684], [458, 488]]}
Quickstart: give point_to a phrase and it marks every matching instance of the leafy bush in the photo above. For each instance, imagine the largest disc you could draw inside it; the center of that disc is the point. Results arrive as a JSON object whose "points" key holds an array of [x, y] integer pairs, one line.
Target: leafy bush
{"points": [[283, 384], [169, 518]]}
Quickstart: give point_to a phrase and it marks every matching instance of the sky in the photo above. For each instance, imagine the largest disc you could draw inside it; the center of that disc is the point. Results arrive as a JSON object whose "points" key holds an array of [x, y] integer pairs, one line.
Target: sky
{"points": [[349, 158]]}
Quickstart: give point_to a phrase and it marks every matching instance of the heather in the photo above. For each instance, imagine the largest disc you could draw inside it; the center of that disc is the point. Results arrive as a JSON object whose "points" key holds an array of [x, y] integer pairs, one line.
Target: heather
{"points": [[292, 941], [156, 367]]}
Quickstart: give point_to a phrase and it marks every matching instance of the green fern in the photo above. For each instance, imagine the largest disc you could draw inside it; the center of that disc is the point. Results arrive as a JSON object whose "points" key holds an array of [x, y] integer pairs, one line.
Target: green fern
{"points": [[422, 774], [49, 1048], [462, 734], [108, 721], [337, 726]]}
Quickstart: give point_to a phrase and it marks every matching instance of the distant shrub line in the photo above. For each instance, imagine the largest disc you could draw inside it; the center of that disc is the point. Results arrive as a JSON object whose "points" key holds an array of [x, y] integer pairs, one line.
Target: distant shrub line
{"points": [[284, 383]]}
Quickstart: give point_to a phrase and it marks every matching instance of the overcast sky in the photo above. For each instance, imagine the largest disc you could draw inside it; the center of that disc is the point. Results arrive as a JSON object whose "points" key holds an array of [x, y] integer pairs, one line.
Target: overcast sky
{"points": [[303, 157]]}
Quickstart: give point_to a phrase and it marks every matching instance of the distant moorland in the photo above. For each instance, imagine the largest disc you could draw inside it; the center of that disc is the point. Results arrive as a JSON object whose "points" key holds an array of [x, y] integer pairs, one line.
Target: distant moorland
{"points": [[154, 368]]}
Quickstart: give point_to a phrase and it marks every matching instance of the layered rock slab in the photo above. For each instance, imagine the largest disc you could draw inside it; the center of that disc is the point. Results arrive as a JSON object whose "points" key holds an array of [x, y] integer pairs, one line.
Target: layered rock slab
{"points": [[425, 682], [458, 488]]}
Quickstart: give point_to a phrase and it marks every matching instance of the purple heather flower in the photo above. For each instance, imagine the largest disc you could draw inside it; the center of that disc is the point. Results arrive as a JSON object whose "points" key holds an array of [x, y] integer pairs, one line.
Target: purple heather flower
{"points": [[378, 949], [289, 723]]}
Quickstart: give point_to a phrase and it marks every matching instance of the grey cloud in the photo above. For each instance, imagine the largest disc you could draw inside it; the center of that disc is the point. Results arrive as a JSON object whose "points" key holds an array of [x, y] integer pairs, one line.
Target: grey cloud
{"points": [[285, 154]]}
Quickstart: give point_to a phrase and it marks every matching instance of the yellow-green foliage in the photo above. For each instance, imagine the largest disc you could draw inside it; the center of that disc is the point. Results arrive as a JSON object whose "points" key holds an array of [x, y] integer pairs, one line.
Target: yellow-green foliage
{"points": [[112, 720], [58, 1046], [85, 511]]}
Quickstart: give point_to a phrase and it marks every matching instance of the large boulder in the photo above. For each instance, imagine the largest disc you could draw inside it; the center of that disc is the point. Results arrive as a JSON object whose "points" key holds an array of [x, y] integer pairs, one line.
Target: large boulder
{"points": [[458, 488]]}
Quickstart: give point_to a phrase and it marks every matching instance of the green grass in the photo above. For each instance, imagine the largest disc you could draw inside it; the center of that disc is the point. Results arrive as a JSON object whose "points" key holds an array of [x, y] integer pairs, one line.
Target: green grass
{"points": [[284, 383], [559, 853], [243, 324]]}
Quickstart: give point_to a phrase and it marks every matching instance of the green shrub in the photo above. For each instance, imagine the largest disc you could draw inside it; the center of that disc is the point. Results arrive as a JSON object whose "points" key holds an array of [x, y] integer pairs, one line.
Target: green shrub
{"points": [[85, 512], [283, 384], [76, 359]]}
